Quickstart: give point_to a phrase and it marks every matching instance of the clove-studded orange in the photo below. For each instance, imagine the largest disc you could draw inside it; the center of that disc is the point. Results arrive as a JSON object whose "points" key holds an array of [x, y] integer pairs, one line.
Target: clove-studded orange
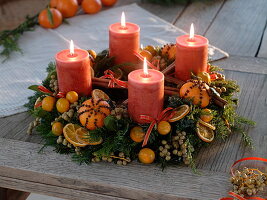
{"points": [[196, 91], [93, 112]]}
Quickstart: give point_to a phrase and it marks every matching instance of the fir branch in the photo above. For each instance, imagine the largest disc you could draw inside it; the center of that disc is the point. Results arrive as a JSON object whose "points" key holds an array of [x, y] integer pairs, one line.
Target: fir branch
{"points": [[9, 38]]}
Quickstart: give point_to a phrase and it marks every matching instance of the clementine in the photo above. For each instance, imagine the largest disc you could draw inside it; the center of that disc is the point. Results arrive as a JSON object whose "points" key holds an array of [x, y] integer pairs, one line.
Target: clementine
{"points": [[68, 8], [197, 91], [137, 134], [93, 112], [53, 3], [108, 2], [91, 6], [146, 156], [44, 18]]}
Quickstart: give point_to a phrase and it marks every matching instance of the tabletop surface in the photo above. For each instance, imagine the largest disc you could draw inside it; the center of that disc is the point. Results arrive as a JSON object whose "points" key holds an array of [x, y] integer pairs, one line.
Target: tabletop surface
{"points": [[235, 26]]}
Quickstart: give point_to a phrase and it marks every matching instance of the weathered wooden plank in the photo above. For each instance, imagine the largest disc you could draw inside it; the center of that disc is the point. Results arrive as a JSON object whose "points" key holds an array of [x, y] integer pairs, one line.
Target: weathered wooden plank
{"points": [[244, 64], [238, 27], [263, 48], [52, 190], [15, 127], [20, 160], [201, 13], [168, 13]]}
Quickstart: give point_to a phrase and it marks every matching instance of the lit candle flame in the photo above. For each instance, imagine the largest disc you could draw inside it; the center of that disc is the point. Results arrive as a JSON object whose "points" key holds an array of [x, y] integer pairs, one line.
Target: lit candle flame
{"points": [[71, 48], [145, 67], [141, 46], [123, 24], [192, 32]]}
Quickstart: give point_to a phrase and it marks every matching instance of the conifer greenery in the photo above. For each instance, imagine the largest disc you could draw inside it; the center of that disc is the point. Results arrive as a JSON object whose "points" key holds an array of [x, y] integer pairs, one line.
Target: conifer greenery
{"points": [[115, 133]]}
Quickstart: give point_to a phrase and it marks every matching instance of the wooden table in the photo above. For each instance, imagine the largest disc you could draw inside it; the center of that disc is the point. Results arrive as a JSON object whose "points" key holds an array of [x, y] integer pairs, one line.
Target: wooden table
{"points": [[235, 26]]}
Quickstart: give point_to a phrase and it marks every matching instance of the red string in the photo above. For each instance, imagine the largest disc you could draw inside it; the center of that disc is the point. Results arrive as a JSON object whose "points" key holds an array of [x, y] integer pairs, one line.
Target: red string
{"points": [[163, 116], [232, 172], [138, 55], [45, 90], [110, 75]]}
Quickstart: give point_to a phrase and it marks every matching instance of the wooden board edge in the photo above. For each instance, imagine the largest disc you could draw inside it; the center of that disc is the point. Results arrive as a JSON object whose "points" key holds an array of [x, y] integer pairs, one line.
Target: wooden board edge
{"points": [[243, 64], [174, 183]]}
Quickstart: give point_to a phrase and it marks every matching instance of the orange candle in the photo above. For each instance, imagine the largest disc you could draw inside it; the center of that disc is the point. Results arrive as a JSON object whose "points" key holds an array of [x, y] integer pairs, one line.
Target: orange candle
{"points": [[124, 40], [74, 71], [191, 55], [145, 93]]}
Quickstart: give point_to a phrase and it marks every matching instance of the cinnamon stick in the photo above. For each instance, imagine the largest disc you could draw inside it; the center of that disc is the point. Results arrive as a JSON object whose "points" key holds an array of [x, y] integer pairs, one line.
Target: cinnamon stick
{"points": [[169, 68]]}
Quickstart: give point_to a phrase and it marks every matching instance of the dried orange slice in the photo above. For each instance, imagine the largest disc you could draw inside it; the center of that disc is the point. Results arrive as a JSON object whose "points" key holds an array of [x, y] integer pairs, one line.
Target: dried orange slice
{"points": [[99, 94], [69, 132], [206, 124], [204, 133], [83, 136], [180, 113]]}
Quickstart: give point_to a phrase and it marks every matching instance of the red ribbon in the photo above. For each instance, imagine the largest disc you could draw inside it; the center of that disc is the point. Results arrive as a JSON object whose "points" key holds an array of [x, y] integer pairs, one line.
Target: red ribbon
{"points": [[232, 172], [110, 75], [45, 90], [138, 55], [163, 116]]}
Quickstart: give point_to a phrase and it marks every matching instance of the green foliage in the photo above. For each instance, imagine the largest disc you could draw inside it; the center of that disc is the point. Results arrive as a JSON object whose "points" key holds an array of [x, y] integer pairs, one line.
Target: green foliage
{"points": [[9, 38], [116, 132]]}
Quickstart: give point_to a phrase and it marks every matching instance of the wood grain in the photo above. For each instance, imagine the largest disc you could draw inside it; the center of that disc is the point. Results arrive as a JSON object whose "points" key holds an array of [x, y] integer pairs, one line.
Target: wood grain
{"points": [[20, 160], [263, 47], [244, 64], [22, 168], [201, 13], [238, 27]]}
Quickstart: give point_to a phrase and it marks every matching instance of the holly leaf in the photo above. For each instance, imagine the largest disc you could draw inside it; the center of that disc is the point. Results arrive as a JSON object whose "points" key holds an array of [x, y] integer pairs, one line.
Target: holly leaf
{"points": [[50, 16], [111, 123], [34, 88]]}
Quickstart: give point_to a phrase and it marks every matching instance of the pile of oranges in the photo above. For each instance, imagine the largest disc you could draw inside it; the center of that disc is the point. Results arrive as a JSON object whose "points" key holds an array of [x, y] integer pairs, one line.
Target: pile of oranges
{"points": [[53, 16]]}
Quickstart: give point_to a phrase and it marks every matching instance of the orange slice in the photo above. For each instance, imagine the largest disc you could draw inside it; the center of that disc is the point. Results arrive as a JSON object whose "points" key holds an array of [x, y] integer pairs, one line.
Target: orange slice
{"points": [[99, 94], [83, 136], [206, 124], [204, 133], [180, 113], [69, 132]]}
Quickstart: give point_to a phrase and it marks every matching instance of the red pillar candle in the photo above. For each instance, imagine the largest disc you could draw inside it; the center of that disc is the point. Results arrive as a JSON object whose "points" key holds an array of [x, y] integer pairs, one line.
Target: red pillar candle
{"points": [[191, 55], [124, 39], [74, 71], [145, 93]]}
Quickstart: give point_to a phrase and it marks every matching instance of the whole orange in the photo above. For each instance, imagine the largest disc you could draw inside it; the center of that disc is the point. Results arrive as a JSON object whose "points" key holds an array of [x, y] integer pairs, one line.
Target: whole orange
{"points": [[57, 128], [146, 156], [72, 96], [137, 134], [92, 113], [48, 103], [53, 3], [62, 105], [192, 91], [68, 8], [44, 21], [108, 2], [91, 6]]}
